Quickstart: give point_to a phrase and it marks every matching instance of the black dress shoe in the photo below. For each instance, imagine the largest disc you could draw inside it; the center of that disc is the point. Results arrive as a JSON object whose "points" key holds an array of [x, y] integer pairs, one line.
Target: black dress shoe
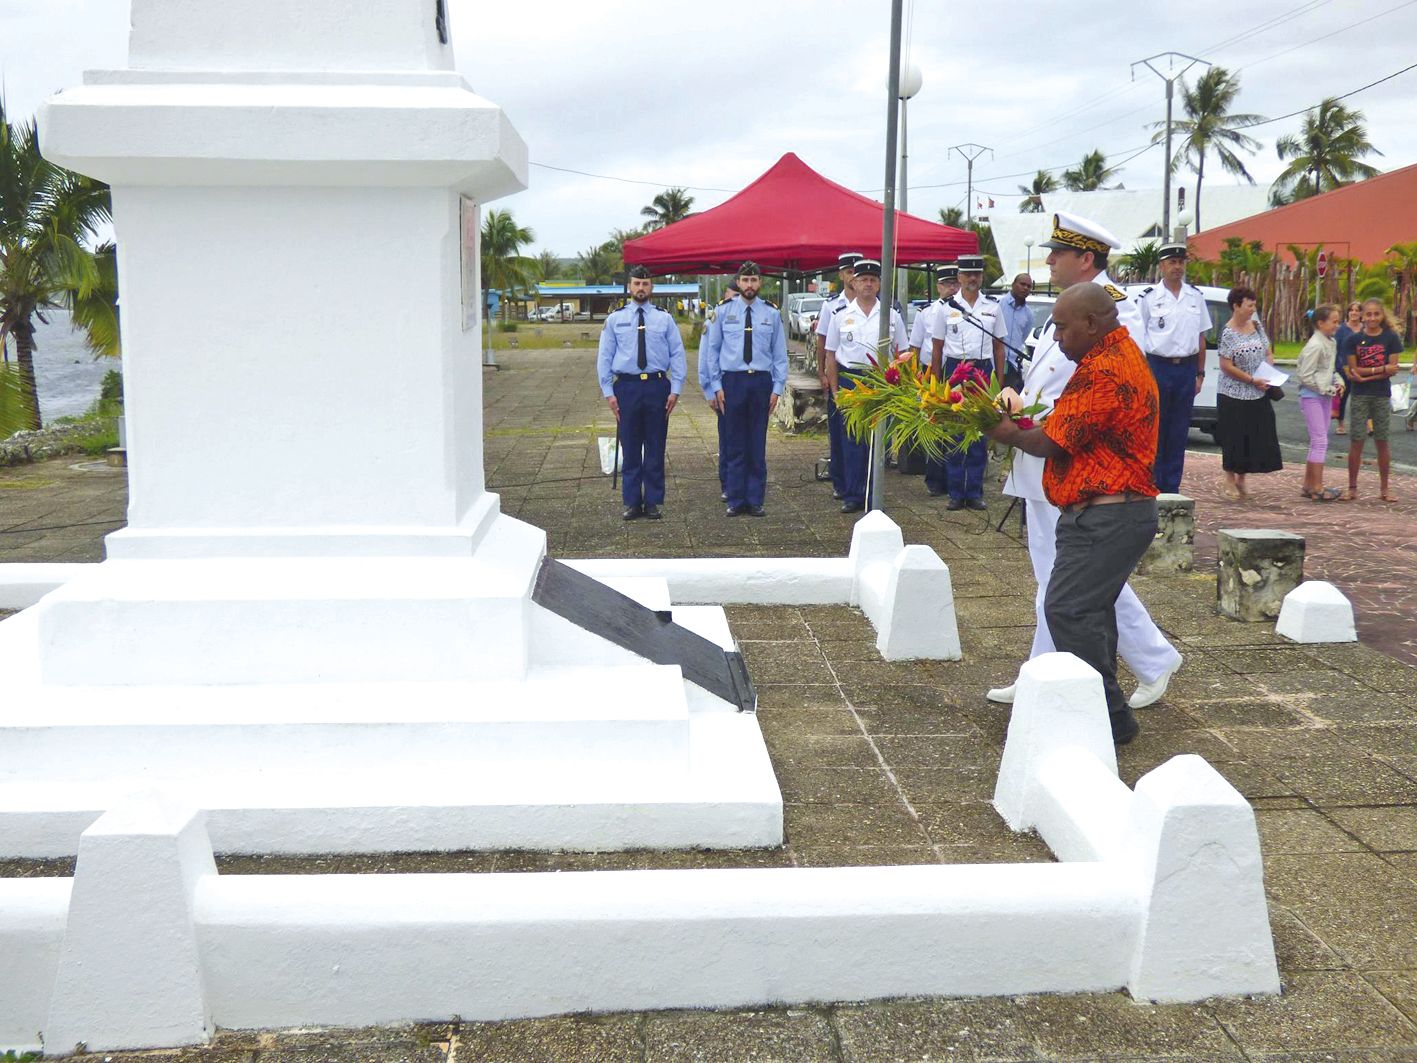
{"points": [[756, 511], [632, 513], [975, 503], [653, 513], [1124, 727], [935, 492], [735, 511], [836, 495], [955, 504], [723, 496], [852, 507]]}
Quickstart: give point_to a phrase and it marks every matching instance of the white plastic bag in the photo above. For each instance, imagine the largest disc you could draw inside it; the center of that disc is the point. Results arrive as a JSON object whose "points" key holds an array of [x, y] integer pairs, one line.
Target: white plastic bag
{"points": [[608, 462], [1401, 396]]}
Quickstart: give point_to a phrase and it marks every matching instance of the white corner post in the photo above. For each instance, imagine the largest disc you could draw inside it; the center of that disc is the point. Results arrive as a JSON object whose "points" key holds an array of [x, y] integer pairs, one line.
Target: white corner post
{"points": [[1205, 928], [919, 617], [1316, 611], [130, 974]]}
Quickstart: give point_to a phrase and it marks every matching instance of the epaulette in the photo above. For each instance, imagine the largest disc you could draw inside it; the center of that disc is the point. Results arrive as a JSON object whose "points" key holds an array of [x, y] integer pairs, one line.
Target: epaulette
{"points": [[1148, 289], [839, 309], [991, 298], [1197, 287], [725, 299], [770, 303], [1118, 296]]}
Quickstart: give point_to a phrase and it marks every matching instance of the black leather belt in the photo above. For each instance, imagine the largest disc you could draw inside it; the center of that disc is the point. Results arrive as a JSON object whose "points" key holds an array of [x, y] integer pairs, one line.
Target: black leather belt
{"points": [[1173, 361], [640, 376]]}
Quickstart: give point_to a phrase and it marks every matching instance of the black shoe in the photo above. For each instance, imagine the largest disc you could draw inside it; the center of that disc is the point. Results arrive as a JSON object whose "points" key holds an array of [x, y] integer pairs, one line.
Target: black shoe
{"points": [[735, 511], [852, 507], [632, 513], [935, 492], [653, 513], [975, 503], [955, 504], [1124, 727], [756, 511], [723, 496], [836, 496]]}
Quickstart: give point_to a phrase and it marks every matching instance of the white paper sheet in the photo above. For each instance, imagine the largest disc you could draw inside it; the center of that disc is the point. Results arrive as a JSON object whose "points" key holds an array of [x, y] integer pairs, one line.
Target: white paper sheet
{"points": [[1269, 376]]}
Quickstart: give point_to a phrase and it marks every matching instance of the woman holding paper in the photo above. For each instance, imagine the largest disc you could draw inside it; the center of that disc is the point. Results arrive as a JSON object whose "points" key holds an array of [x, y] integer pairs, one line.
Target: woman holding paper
{"points": [[1249, 441]]}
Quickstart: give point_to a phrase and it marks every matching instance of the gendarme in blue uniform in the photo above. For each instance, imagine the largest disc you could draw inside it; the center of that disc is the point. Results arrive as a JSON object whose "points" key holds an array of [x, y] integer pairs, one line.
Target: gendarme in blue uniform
{"points": [[642, 392], [746, 351]]}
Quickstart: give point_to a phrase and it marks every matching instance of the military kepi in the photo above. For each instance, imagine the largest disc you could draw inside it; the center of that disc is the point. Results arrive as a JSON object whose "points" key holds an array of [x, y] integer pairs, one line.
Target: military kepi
{"points": [[868, 267], [1074, 233], [970, 264], [1171, 251], [749, 269], [848, 259], [948, 273], [640, 273]]}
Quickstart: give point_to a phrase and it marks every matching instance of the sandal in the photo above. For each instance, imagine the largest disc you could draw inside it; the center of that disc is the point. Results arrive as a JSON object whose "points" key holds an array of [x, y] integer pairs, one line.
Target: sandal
{"points": [[1232, 493], [1341, 430], [1387, 498], [1328, 494], [1351, 495]]}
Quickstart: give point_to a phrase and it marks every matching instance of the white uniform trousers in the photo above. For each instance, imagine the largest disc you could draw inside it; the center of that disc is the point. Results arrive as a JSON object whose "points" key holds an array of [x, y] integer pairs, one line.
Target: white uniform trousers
{"points": [[1140, 642]]}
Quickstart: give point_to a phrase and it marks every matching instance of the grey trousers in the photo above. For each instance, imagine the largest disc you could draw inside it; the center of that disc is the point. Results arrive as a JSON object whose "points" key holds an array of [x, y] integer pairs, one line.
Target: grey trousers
{"points": [[1097, 549]]}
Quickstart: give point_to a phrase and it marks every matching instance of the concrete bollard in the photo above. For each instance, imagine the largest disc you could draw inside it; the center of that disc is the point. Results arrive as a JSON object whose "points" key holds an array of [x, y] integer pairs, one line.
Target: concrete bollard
{"points": [[1205, 929], [874, 539], [1058, 703], [1258, 567], [129, 969], [1173, 549], [919, 619], [1316, 611]]}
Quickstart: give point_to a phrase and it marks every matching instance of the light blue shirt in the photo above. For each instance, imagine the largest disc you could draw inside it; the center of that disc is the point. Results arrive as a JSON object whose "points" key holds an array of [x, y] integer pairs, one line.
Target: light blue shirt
{"points": [[1018, 323], [724, 348], [619, 347], [703, 346]]}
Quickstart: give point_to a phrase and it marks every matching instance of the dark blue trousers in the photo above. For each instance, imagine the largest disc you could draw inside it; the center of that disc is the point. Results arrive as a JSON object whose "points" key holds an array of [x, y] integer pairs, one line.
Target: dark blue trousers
{"points": [[835, 434], [855, 453], [964, 469], [644, 426], [745, 425], [722, 456], [1176, 387]]}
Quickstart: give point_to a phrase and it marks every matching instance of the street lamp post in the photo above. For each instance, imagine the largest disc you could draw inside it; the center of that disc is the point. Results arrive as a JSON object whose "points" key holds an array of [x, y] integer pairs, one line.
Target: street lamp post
{"points": [[1028, 243], [910, 82]]}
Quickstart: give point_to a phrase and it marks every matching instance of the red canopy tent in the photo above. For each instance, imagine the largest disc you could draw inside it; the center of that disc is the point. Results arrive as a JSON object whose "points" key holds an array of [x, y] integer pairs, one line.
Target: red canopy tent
{"points": [[791, 219]]}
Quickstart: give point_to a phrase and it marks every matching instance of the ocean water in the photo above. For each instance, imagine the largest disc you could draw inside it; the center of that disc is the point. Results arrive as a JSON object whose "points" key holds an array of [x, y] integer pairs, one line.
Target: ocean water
{"points": [[66, 372]]}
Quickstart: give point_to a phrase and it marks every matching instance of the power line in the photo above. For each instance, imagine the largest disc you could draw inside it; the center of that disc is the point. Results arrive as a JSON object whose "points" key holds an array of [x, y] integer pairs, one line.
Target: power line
{"points": [[1277, 20], [631, 180], [1326, 36], [1354, 92]]}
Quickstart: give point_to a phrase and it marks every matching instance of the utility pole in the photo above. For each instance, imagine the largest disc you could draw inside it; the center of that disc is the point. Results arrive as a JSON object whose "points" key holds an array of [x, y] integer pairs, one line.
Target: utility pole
{"points": [[875, 487], [970, 152], [1172, 58]]}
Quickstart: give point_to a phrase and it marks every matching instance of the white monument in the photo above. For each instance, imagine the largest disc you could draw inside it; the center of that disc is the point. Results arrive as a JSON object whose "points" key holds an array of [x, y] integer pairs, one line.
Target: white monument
{"points": [[317, 624]]}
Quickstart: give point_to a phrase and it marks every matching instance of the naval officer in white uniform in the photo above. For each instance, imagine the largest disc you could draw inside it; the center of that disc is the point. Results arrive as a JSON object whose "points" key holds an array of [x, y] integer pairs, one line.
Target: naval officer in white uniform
{"points": [[1078, 254]]}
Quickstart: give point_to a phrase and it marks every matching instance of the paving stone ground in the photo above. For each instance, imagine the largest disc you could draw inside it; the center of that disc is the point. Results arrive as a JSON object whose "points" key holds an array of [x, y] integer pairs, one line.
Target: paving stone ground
{"points": [[894, 762]]}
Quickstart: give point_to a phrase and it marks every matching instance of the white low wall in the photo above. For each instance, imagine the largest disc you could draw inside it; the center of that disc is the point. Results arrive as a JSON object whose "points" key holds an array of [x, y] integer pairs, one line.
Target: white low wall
{"points": [[1160, 892]]}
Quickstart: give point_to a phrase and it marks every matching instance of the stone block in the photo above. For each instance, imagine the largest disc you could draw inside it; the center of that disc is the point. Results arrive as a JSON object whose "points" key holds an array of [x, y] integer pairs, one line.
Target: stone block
{"points": [[1205, 926], [1173, 549], [919, 616], [1316, 611], [130, 972], [1258, 567]]}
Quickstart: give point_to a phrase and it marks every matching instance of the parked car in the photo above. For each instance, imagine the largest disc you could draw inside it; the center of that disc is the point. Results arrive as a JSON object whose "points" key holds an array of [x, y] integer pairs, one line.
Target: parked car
{"points": [[794, 314]]}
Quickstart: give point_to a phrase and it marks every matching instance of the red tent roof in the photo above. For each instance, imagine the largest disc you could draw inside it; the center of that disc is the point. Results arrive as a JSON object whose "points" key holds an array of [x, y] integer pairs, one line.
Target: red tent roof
{"points": [[791, 218], [1359, 221]]}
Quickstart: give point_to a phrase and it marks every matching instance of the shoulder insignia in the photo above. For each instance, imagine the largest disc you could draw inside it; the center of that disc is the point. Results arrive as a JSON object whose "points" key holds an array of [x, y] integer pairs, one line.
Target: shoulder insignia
{"points": [[1148, 289], [839, 309], [1196, 287], [725, 299], [1118, 296], [991, 298], [770, 303]]}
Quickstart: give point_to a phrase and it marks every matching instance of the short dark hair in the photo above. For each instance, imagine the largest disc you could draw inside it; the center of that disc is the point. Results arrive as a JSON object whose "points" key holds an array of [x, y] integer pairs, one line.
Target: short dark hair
{"points": [[641, 273], [1099, 260], [1324, 311], [1239, 294]]}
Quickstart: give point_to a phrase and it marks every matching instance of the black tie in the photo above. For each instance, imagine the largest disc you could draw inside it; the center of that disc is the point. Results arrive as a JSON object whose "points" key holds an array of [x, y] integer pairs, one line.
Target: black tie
{"points": [[748, 336], [640, 343]]}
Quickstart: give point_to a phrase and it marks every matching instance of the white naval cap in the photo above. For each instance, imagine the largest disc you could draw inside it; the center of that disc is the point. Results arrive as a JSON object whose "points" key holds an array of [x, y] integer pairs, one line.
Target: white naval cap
{"points": [[1080, 234]]}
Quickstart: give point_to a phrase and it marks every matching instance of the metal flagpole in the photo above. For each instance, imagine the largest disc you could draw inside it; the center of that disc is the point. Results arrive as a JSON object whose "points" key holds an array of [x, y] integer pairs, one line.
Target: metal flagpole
{"points": [[875, 487]]}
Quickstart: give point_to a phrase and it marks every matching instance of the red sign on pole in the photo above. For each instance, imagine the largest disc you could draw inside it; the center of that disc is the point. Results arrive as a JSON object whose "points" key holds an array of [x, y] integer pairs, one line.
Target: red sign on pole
{"points": [[1323, 264]]}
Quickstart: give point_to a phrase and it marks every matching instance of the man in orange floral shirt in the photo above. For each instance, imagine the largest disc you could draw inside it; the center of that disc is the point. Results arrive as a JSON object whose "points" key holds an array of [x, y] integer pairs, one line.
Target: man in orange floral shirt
{"points": [[1099, 448]]}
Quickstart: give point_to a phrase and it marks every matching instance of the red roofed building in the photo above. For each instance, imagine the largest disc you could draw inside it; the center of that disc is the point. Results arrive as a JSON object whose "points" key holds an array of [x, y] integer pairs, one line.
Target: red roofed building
{"points": [[1359, 221]]}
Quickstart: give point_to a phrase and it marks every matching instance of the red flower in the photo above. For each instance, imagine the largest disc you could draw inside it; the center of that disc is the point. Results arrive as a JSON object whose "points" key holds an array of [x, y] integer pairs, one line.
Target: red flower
{"points": [[892, 375], [960, 372], [1024, 422]]}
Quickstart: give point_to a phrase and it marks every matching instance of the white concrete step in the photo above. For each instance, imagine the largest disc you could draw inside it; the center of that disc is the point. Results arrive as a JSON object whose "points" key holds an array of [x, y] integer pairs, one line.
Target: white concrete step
{"points": [[722, 795]]}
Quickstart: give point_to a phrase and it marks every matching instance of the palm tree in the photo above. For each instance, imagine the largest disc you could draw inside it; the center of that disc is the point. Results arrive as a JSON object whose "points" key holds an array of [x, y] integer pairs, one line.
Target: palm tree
{"points": [[1208, 126], [548, 266], [1043, 182], [598, 264], [503, 265], [1143, 261], [952, 216], [671, 205], [1090, 174], [1325, 153], [47, 213]]}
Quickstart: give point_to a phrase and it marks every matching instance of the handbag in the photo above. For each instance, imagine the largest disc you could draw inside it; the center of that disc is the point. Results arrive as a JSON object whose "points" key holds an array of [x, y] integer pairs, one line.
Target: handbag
{"points": [[1274, 394], [1401, 397]]}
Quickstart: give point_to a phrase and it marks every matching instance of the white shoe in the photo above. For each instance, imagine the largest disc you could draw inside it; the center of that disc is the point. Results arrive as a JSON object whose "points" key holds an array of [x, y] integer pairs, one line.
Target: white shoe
{"points": [[1150, 693], [1002, 695]]}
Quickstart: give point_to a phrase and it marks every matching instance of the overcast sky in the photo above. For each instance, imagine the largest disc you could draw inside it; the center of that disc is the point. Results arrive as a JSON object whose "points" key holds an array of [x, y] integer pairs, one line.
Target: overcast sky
{"points": [[661, 94]]}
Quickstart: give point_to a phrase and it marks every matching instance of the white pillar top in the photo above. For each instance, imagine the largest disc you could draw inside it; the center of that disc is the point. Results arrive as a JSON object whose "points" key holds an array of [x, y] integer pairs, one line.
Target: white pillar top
{"points": [[289, 35]]}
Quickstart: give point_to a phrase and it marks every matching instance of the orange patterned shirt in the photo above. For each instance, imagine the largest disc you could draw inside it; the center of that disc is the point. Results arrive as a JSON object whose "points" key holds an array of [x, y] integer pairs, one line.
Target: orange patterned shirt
{"points": [[1106, 420]]}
